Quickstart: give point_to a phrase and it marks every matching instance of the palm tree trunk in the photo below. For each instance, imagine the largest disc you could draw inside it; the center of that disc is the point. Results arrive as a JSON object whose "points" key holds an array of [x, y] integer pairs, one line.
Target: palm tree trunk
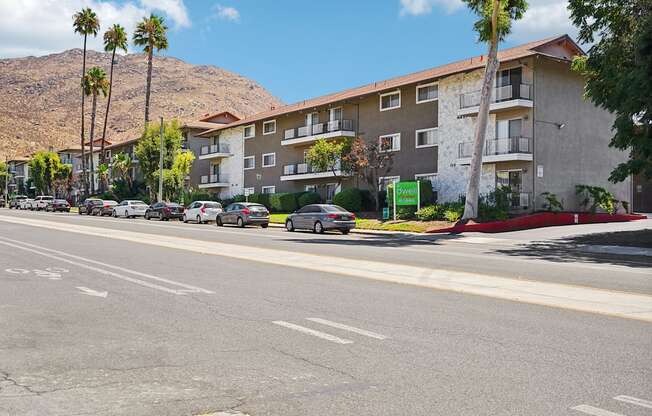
{"points": [[149, 82], [92, 138], [83, 153], [108, 105], [473, 188]]}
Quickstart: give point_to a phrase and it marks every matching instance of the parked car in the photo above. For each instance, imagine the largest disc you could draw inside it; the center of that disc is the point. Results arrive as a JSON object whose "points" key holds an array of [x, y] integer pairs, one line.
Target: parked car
{"points": [[41, 202], [130, 208], [25, 203], [244, 213], [321, 217], [87, 206], [202, 211], [165, 211], [58, 205], [106, 208], [14, 201]]}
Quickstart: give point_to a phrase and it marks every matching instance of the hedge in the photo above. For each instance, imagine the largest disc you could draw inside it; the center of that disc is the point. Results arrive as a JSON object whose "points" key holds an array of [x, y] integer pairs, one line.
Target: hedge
{"points": [[262, 199], [307, 198], [349, 199], [283, 202]]}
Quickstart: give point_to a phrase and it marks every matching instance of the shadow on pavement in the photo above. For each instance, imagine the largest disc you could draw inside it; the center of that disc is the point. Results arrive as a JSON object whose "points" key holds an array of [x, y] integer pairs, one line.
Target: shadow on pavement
{"points": [[374, 240]]}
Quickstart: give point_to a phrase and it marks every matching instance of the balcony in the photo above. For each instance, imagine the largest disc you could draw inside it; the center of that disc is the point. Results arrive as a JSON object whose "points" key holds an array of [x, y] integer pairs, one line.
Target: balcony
{"points": [[301, 171], [498, 150], [214, 181], [328, 130], [507, 97], [215, 151]]}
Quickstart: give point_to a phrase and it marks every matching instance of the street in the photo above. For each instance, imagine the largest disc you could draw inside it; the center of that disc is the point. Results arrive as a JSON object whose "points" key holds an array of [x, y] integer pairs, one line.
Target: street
{"points": [[104, 316]]}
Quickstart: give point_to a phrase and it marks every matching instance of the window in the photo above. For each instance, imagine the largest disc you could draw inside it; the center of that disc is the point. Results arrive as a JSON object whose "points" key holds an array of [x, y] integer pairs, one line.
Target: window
{"points": [[390, 100], [335, 114], [432, 177], [311, 188], [249, 131], [269, 189], [427, 93], [384, 181], [426, 137], [269, 160], [249, 162], [390, 142], [269, 127]]}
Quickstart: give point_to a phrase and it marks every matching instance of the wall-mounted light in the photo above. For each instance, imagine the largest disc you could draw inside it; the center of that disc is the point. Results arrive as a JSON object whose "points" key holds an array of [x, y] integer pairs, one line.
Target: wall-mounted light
{"points": [[558, 125]]}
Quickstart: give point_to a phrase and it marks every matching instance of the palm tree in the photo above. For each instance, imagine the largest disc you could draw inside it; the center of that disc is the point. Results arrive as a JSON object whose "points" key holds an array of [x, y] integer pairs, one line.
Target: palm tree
{"points": [[122, 164], [85, 23], [150, 33], [95, 82], [494, 25], [103, 174], [114, 38]]}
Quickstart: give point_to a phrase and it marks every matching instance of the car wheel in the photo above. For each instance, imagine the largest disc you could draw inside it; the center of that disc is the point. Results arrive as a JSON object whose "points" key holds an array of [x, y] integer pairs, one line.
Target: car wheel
{"points": [[241, 222], [114, 214], [79, 211], [264, 225], [185, 220], [289, 225], [319, 228], [199, 221], [147, 216], [218, 222], [345, 231]]}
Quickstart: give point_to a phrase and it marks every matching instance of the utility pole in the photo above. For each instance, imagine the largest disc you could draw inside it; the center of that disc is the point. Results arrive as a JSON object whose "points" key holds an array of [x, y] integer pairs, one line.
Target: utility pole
{"points": [[160, 167], [6, 182]]}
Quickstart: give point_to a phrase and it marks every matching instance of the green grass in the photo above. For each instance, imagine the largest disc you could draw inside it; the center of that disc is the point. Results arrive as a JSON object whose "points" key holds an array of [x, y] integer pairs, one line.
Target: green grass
{"points": [[364, 224], [74, 210], [277, 218]]}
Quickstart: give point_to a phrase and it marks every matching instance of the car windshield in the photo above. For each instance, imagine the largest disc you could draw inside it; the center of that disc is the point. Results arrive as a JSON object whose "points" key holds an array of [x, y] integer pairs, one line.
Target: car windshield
{"points": [[334, 208], [256, 207], [212, 205], [137, 203]]}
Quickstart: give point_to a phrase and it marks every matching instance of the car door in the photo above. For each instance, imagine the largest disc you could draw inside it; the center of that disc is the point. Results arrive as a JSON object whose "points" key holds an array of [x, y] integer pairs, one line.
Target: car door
{"points": [[193, 210], [299, 219], [233, 214]]}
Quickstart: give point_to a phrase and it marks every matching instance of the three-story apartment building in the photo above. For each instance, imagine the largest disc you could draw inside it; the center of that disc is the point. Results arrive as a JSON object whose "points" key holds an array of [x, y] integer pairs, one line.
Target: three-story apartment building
{"points": [[542, 134]]}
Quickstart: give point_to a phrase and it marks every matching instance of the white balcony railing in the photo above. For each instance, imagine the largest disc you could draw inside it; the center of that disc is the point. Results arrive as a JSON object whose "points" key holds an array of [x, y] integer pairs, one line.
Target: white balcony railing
{"points": [[318, 128], [504, 93], [214, 148], [498, 147]]}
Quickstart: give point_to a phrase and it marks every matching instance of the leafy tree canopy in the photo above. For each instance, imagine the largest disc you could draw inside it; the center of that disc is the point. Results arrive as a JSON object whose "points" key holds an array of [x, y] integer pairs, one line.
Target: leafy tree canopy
{"points": [[44, 167], [509, 10], [618, 71]]}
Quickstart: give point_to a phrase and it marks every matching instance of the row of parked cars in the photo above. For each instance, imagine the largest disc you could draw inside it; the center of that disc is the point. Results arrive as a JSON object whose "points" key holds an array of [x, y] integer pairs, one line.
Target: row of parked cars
{"points": [[315, 217]]}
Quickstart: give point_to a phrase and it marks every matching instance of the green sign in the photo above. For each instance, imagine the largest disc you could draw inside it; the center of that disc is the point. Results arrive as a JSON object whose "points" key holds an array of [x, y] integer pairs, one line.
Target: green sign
{"points": [[407, 193]]}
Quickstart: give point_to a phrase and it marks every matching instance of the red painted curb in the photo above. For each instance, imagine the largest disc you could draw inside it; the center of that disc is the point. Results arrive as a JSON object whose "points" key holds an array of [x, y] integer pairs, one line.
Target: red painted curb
{"points": [[542, 219]]}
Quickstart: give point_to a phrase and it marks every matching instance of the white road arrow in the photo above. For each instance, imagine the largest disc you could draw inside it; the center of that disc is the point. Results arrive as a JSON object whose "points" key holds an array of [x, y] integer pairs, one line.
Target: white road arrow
{"points": [[91, 292]]}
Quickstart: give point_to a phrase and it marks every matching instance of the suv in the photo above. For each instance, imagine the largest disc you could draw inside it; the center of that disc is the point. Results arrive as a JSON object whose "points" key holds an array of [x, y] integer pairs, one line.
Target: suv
{"points": [[41, 202], [14, 202], [87, 206]]}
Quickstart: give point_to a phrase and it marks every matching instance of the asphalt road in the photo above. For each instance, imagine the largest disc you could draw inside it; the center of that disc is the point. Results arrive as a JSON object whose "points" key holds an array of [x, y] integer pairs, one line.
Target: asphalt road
{"points": [[91, 324]]}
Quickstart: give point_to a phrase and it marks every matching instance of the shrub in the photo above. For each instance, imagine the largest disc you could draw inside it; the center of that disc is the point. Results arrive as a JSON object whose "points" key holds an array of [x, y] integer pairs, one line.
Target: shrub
{"points": [[594, 197], [430, 213], [262, 199], [307, 198], [283, 202], [367, 200], [551, 203], [350, 199], [452, 215], [239, 198]]}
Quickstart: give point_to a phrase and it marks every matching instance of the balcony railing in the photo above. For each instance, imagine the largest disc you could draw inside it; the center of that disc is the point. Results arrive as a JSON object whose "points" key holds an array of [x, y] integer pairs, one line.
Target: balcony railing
{"points": [[498, 147], [302, 169], [504, 93], [319, 128], [208, 179], [214, 148]]}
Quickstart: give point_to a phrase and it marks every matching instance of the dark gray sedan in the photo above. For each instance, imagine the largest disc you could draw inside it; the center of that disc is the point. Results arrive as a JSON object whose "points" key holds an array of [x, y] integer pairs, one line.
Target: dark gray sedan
{"points": [[321, 217], [244, 213]]}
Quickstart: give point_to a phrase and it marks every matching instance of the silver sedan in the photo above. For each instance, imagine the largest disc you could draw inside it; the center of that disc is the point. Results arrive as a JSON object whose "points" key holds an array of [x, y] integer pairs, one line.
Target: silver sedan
{"points": [[321, 217]]}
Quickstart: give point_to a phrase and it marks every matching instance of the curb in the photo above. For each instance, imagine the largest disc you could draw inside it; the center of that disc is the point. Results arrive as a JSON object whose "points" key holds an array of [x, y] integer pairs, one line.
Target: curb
{"points": [[363, 231]]}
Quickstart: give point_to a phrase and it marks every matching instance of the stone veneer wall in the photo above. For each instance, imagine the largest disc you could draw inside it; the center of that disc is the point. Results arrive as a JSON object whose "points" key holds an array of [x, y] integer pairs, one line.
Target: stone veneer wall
{"points": [[233, 166]]}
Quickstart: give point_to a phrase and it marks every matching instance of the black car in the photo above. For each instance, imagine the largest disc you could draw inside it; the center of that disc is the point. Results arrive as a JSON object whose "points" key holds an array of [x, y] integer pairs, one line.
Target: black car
{"points": [[87, 206], [58, 205], [165, 211], [106, 208], [14, 201]]}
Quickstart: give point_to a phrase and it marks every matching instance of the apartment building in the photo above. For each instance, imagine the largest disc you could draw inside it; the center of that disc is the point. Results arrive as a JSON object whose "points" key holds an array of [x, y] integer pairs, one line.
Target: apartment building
{"points": [[542, 135], [18, 174]]}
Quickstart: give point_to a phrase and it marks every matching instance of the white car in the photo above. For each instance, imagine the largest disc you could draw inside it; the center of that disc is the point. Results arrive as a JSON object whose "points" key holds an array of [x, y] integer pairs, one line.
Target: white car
{"points": [[130, 208], [202, 211], [26, 203], [41, 202]]}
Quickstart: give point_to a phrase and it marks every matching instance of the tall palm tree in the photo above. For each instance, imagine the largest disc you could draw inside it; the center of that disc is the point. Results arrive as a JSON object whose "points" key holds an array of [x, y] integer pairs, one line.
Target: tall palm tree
{"points": [[114, 38], [85, 23], [103, 174], [151, 34], [95, 83], [121, 165]]}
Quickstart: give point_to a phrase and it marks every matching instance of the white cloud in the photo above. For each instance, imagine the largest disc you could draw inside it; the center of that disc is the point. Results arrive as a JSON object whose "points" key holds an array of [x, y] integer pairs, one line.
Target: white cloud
{"points": [[544, 18], [40, 27], [226, 13], [420, 7]]}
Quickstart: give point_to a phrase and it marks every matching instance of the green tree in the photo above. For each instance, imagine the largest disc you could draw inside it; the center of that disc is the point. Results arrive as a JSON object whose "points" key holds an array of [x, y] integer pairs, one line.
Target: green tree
{"points": [[63, 180], [114, 38], [85, 23], [4, 178], [150, 34], [329, 156], [618, 71], [176, 162], [43, 170], [103, 174], [121, 167], [495, 22], [370, 162], [95, 83]]}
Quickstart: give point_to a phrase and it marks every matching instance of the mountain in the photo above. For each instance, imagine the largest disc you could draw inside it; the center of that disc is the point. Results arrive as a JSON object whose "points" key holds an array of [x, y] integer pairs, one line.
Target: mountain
{"points": [[40, 97]]}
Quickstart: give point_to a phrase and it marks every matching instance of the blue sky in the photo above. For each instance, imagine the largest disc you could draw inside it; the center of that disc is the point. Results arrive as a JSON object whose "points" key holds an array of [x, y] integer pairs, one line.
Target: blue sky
{"points": [[295, 48]]}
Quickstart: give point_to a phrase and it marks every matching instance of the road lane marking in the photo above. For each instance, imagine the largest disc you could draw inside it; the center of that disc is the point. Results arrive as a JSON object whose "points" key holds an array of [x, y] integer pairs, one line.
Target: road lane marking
{"points": [[347, 328], [91, 292], [318, 334], [595, 411], [578, 298], [187, 288], [634, 400], [96, 269]]}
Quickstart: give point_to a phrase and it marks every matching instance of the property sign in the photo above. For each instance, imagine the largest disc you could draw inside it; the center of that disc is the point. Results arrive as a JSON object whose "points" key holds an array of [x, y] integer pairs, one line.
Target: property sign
{"points": [[407, 193]]}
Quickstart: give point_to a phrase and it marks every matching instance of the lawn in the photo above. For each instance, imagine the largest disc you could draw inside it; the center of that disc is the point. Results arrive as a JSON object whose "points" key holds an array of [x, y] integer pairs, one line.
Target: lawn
{"points": [[365, 224]]}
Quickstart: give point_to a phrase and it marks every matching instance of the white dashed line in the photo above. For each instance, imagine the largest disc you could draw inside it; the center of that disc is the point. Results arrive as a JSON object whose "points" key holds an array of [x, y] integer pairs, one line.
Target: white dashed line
{"points": [[634, 400], [318, 334], [348, 328], [595, 411]]}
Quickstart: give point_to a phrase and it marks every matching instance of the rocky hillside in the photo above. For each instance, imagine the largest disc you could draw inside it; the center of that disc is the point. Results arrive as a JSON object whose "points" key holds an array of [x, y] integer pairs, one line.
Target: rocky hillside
{"points": [[40, 97]]}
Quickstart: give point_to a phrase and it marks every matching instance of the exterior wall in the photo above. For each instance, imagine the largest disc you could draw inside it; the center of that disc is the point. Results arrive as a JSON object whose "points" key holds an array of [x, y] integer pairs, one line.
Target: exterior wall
{"points": [[579, 153]]}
